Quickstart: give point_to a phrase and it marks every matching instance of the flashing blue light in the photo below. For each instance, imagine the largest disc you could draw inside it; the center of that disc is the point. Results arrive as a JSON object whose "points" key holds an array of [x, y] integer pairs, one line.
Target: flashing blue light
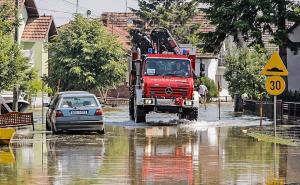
{"points": [[150, 50], [184, 51]]}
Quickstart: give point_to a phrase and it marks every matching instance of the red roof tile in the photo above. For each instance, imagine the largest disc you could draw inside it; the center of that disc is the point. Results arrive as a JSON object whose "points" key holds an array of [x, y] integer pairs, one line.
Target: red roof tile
{"points": [[120, 20], [205, 26], [37, 28], [122, 36]]}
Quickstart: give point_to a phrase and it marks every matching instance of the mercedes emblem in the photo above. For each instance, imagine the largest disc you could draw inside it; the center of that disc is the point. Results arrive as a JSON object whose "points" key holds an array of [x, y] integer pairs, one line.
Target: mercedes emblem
{"points": [[169, 90]]}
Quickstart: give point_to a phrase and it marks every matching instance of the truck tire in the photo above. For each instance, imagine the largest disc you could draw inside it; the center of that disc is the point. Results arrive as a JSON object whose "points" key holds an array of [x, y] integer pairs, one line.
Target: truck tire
{"points": [[101, 132], [48, 128], [140, 115], [193, 114], [182, 115], [131, 108]]}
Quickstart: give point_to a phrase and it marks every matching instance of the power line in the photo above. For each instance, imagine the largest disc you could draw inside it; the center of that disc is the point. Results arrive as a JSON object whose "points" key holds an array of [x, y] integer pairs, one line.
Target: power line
{"points": [[76, 4], [50, 10]]}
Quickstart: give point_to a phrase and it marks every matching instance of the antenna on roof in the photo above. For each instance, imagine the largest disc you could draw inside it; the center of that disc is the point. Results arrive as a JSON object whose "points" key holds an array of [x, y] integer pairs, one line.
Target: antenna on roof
{"points": [[88, 13], [77, 7], [126, 7]]}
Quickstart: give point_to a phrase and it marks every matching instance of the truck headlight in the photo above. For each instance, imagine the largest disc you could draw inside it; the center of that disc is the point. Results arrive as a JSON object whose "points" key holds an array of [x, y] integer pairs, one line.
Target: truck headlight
{"points": [[148, 101], [188, 103]]}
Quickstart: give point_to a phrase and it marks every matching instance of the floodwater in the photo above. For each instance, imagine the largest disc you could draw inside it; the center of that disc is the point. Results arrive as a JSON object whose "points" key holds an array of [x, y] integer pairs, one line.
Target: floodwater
{"points": [[162, 151]]}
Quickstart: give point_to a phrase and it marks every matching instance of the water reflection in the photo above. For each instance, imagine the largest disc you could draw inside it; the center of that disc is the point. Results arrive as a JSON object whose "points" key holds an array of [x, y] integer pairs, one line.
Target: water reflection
{"points": [[148, 155], [166, 156], [74, 158]]}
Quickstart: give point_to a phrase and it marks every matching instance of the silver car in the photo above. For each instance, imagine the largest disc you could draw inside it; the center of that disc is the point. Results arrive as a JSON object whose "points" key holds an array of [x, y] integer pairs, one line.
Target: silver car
{"points": [[75, 110]]}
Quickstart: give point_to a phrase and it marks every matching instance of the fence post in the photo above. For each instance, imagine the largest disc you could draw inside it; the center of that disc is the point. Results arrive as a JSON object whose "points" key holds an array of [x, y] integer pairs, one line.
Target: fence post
{"points": [[32, 121], [294, 112]]}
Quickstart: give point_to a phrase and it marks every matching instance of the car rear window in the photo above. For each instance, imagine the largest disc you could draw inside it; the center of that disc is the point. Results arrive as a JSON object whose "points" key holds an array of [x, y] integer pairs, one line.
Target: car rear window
{"points": [[84, 101]]}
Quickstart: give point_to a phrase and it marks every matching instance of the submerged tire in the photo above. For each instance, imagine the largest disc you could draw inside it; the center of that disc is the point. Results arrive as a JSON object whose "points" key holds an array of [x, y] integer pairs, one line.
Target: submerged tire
{"points": [[193, 114], [131, 108], [140, 115], [48, 128], [101, 132], [182, 115]]}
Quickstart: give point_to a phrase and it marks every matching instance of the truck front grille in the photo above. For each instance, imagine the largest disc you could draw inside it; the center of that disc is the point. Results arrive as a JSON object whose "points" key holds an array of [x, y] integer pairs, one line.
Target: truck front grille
{"points": [[161, 92]]}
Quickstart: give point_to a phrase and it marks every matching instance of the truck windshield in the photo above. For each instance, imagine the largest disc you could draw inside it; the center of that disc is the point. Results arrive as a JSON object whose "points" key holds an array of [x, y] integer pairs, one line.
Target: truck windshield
{"points": [[167, 67]]}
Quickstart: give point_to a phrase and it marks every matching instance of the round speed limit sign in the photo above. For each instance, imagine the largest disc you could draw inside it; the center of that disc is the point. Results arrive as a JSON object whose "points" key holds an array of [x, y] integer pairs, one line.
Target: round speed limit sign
{"points": [[275, 85]]}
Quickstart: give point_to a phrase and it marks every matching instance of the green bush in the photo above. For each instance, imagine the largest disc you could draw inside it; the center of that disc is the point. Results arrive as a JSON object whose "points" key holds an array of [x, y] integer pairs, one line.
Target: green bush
{"points": [[211, 86]]}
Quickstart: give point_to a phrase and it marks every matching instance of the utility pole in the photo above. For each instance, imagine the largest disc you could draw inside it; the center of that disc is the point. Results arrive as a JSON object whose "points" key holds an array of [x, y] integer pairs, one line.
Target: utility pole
{"points": [[126, 7], [16, 87], [77, 7]]}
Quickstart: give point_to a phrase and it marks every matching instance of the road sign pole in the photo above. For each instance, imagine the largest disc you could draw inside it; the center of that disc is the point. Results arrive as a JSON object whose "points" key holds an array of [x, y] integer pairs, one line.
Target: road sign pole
{"points": [[275, 102]]}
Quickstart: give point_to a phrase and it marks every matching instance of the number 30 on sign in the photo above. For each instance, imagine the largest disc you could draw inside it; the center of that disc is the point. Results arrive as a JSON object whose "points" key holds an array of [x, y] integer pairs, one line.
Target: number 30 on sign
{"points": [[275, 85]]}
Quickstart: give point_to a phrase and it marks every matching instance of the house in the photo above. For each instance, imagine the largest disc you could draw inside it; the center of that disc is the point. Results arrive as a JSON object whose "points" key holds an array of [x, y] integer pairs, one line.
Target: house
{"points": [[34, 34], [120, 23], [293, 60]]}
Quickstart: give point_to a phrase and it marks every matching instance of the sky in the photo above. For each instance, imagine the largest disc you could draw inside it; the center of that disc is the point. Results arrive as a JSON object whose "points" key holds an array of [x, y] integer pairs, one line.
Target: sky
{"points": [[63, 10]]}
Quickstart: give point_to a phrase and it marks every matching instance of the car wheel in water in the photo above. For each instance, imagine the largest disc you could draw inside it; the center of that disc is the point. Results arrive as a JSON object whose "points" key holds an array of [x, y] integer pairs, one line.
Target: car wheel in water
{"points": [[101, 131]]}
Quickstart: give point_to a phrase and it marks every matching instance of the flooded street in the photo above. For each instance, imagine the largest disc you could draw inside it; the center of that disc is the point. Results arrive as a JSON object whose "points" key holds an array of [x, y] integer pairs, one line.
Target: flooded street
{"points": [[162, 151]]}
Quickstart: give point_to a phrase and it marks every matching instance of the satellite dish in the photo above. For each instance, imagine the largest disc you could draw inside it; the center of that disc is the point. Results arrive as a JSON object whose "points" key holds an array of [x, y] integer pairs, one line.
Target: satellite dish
{"points": [[88, 12]]}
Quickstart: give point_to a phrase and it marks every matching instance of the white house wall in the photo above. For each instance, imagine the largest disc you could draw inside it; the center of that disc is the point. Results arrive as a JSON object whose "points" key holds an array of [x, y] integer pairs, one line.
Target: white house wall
{"points": [[293, 63], [211, 66], [214, 72], [45, 57], [23, 17], [223, 83]]}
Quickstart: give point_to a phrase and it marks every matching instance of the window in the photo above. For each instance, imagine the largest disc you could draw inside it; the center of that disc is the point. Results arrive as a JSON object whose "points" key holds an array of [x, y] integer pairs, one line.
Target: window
{"points": [[167, 67], [84, 101]]}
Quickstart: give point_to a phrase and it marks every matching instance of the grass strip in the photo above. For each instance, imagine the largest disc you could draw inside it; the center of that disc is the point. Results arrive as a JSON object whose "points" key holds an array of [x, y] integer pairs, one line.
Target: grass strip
{"points": [[272, 139]]}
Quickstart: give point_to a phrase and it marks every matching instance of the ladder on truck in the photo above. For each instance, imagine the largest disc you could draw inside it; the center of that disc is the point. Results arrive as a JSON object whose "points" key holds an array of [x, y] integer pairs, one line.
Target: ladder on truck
{"points": [[160, 40]]}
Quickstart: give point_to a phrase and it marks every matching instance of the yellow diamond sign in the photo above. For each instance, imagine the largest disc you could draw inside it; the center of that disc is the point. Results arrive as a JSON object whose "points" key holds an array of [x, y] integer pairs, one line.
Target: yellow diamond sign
{"points": [[275, 67]]}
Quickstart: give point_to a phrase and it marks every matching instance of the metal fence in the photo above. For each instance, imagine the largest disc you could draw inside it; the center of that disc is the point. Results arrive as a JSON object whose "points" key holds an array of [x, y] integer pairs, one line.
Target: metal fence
{"points": [[253, 107], [286, 111], [15, 119], [291, 111], [113, 101]]}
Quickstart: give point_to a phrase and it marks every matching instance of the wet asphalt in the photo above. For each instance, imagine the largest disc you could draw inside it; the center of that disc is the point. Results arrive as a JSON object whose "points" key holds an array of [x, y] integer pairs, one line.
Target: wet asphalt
{"points": [[164, 150]]}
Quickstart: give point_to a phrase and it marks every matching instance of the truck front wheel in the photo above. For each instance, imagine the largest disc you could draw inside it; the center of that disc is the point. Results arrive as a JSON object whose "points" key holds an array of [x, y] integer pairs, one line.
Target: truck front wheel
{"points": [[140, 115], [193, 114], [131, 108]]}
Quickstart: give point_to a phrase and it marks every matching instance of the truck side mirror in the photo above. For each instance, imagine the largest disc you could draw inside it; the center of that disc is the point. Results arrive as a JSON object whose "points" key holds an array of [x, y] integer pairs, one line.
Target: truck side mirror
{"points": [[137, 64], [194, 75]]}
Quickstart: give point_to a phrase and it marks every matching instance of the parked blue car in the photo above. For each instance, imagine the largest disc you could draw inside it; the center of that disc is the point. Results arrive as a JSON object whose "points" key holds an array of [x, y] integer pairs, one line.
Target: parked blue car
{"points": [[75, 110]]}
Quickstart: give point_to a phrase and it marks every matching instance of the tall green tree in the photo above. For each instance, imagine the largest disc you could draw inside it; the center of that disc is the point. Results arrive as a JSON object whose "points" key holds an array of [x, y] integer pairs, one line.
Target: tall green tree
{"points": [[175, 15], [242, 72], [12, 62], [248, 20], [7, 21], [85, 56]]}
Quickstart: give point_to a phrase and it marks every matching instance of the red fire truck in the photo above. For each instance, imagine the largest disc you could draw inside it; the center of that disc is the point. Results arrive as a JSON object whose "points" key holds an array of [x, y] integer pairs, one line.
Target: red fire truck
{"points": [[161, 77]]}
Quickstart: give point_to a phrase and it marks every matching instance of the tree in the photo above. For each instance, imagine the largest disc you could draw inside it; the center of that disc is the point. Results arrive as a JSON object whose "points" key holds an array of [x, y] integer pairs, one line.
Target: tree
{"points": [[242, 72], [12, 62], [175, 15], [85, 56], [7, 22], [247, 21]]}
